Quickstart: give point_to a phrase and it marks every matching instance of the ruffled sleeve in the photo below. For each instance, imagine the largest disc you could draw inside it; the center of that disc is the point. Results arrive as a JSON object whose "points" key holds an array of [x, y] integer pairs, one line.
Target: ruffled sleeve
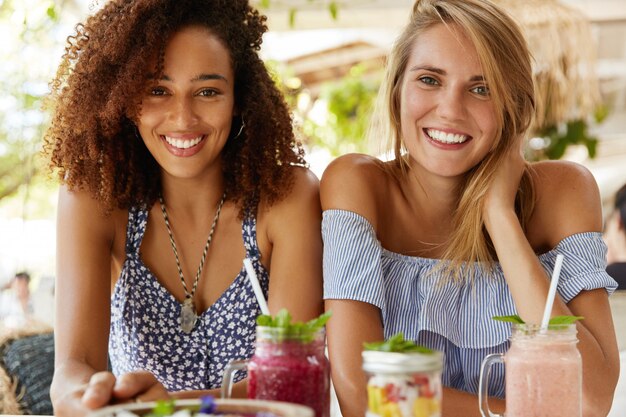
{"points": [[350, 245], [584, 265]]}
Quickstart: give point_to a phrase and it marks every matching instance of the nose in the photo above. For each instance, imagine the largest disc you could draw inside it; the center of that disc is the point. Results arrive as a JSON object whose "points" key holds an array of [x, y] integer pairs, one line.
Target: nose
{"points": [[451, 105], [182, 112]]}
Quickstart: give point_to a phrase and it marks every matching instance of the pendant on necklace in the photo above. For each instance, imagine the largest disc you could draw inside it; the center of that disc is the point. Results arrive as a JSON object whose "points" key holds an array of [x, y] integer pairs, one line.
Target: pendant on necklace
{"points": [[188, 315]]}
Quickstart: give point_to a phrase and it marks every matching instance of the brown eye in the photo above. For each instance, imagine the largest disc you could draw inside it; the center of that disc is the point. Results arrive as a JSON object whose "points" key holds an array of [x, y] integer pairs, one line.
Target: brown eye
{"points": [[207, 92], [157, 91]]}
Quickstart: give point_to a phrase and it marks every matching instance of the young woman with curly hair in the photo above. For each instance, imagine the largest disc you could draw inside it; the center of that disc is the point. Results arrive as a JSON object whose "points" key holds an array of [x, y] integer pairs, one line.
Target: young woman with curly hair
{"points": [[458, 228], [177, 158]]}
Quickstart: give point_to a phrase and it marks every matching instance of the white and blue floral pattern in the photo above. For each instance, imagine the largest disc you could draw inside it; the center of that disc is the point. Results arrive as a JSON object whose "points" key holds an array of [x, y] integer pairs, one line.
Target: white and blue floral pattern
{"points": [[145, 330]]}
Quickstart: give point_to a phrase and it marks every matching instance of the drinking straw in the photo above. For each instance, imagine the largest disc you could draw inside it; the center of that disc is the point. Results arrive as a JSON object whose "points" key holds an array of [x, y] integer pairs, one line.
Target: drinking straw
{"points": [[552, 291], [256, 286]]}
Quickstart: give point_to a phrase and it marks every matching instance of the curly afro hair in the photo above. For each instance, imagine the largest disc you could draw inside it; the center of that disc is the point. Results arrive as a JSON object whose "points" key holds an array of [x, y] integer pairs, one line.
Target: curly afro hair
{"points": [[97, 91]]}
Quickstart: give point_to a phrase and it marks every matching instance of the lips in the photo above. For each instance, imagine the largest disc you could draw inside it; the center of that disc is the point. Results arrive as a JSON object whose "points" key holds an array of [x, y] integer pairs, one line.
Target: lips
{"points": [[446, 138]]}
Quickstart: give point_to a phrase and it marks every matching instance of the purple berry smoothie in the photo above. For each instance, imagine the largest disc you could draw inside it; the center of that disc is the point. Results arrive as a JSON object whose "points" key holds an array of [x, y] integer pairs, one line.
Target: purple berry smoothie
{"points": [[290, 369]]}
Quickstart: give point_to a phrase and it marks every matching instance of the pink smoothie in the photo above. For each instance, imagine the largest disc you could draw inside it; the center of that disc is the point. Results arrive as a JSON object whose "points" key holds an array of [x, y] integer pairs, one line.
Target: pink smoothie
{"points": [[291, 371], [543, 379]]}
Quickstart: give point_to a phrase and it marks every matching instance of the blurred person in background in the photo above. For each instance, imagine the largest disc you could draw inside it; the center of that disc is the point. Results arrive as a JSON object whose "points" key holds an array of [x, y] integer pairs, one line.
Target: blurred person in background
{"points": [[16, 306], [615, 238]]}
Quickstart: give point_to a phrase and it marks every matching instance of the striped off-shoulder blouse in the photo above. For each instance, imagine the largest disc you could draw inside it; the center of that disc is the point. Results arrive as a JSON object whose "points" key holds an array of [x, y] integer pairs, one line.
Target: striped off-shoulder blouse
{"points": [[451, 317]]}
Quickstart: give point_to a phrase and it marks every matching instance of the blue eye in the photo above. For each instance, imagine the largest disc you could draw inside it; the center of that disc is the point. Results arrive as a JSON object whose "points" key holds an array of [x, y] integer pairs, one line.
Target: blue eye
{"points": [[428, 80], [482, 90]]}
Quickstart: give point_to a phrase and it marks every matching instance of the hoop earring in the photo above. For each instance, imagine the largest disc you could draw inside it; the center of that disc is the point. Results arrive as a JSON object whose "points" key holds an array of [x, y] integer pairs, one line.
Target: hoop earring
{"points": [[243, 124]]}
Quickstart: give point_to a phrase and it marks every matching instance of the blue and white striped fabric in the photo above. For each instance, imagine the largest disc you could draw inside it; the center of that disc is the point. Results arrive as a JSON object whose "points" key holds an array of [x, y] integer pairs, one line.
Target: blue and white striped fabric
{"points": [[451, 317]]}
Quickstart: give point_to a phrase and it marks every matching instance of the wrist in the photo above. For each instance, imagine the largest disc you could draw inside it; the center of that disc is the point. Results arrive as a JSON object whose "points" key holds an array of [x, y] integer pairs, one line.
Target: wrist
{"points": [[496, 218]]}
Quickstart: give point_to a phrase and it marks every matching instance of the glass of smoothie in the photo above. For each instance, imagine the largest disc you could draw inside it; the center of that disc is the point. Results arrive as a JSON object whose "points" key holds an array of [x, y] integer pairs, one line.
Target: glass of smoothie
{"points": [[286, 366], [403, 384], [543, 373]]}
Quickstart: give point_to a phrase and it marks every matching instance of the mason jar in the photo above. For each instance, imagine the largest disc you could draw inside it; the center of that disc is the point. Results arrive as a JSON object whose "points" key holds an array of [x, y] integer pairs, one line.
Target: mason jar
{"points": [[285, 367], [543, 373], [403, 384]]}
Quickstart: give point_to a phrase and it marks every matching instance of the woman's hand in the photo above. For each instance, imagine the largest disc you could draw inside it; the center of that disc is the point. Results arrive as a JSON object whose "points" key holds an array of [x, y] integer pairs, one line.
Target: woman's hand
{"points": [[138, 386], [501, 194], [105, 389]]}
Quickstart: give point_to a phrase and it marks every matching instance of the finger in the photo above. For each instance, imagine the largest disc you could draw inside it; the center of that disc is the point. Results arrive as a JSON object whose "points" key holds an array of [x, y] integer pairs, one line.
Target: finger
{"points": [[71, 405], [141, 385], [98, 392]]}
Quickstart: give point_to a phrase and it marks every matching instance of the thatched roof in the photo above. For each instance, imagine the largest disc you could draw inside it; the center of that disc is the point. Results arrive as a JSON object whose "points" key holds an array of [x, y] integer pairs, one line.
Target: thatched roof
{"points": [[561, 42]]}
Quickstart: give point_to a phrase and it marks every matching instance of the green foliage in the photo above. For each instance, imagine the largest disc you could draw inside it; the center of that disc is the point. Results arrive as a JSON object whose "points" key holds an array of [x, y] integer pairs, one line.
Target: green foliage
{"points": [[396, 343], [23, 82], [573, 132], [332, 7], [304, 331], [350, 103]]}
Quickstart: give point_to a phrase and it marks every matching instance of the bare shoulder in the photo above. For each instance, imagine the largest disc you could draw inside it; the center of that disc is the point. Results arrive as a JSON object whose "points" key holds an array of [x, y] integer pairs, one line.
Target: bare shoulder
{"points": [[560, 182], [78, 209], [303, 197], [567, 201], [355, 182], [306, 187]]}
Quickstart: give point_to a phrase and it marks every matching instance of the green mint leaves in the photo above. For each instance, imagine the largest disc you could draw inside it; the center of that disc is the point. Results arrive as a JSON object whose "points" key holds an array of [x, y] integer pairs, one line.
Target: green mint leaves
{"points": [[557, 320], [282, 320], [163, 408], [509, 319], [396, 343], [554, 321], [166, 408]]}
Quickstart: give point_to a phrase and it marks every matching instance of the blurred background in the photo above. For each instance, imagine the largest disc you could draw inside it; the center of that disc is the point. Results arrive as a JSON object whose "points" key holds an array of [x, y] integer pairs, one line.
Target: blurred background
{"points": [[327, 57]]}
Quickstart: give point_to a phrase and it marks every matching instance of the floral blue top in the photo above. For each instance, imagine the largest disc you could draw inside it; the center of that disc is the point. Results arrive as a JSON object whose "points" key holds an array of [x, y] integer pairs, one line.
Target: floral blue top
{"points": [[145, 320], [454, 318]]}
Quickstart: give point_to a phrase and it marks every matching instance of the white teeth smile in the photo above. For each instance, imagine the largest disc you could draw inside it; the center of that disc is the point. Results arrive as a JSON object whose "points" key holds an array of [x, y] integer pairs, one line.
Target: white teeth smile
{"points": [[444, 137], [183, 144]]}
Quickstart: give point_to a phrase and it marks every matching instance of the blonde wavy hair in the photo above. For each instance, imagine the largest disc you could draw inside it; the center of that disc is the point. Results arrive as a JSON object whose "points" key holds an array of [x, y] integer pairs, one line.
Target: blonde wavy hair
{"points": [[506, 64]]}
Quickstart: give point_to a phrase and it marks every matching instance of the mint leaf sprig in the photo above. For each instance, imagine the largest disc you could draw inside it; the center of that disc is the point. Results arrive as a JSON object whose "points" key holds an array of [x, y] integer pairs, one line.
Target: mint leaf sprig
{"points": [[163, 408], [166, 408], [304, 331], [554, 321], [396, 343]]}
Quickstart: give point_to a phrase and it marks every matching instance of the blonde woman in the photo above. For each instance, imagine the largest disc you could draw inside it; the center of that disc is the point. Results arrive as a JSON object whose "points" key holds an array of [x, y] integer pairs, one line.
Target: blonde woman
{"points": [[458, 228]]}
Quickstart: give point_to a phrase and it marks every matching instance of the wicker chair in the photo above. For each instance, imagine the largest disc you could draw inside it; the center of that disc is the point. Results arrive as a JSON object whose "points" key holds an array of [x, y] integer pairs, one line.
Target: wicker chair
{"points": [[26, 369]]}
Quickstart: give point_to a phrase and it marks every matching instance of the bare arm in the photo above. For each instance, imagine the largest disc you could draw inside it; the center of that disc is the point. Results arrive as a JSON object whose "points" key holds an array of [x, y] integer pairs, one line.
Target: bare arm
{"points": [[568, 203], [352, 324], [84, 241], [83, 292], [296, 263]]}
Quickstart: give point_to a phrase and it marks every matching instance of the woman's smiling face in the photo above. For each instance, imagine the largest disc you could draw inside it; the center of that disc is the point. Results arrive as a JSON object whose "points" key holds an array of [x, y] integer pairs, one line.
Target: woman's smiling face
{"points": [[447, 115], [186, 115]]}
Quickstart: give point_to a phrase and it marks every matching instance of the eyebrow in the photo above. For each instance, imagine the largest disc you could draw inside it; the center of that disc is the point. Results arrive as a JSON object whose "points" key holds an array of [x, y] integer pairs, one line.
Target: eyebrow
{"points": [[442, 72], [200, 77]]}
